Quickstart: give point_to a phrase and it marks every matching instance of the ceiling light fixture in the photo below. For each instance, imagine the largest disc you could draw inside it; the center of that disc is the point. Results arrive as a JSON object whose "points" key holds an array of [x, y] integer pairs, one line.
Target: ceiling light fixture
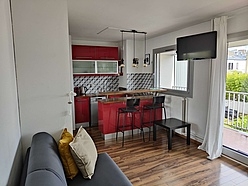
{"points": [[135, 59], [145, 58], [122, 50]]}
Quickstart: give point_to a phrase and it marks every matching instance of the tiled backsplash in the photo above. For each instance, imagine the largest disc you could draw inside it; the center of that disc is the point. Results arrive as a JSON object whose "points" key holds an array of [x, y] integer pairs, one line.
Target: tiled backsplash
{"points": [[96, 84], [139, 81]]}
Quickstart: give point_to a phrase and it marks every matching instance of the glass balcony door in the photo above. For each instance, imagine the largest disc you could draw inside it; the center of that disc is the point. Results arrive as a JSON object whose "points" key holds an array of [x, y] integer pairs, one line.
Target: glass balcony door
{"points": [[235, 133]]}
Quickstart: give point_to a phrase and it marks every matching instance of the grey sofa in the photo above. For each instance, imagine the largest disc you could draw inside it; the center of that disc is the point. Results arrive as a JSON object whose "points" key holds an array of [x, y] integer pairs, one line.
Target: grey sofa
{"points": [[42, 167]]}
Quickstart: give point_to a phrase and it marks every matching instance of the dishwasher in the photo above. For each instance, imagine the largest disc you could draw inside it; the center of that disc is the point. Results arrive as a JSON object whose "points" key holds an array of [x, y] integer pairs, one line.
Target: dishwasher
{"points": [[94, 110]]}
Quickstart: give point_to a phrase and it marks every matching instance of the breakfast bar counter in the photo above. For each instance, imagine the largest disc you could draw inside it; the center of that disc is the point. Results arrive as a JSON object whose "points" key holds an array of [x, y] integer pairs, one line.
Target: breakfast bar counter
{"points": [[123, 99], [133, 92], [108, 108]]}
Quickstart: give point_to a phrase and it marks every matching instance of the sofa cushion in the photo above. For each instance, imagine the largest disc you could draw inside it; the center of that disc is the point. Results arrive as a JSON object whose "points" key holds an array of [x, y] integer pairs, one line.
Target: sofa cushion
{"points": [[68, 162], [44, 156], [84, 153], [107, 173]]}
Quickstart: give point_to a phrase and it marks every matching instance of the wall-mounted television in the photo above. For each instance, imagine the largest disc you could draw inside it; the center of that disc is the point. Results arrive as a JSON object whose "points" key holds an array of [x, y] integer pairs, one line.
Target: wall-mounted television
{"points": [[196, 47]]}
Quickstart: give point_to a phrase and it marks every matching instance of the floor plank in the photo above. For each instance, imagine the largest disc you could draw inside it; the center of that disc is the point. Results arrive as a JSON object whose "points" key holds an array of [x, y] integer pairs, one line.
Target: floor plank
{"points": [[150, 163]]}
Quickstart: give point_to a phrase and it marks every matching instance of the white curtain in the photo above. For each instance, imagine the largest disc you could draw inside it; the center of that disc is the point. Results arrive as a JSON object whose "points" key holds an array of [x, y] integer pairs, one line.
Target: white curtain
{"points": [[212, 142]]}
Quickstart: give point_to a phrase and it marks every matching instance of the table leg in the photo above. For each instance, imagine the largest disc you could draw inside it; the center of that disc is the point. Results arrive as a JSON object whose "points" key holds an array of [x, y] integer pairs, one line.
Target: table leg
{"points": [[169, 138], [188, 135], [154, 132]]}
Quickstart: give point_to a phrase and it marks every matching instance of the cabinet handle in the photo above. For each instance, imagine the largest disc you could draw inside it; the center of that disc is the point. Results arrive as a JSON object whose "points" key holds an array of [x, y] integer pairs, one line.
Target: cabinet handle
{"points": [[83, 57], [107, 58]]}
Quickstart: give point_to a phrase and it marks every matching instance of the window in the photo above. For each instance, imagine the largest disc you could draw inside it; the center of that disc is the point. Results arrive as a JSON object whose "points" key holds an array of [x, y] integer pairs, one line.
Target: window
{"points": [[230, 66], [175, 76]]}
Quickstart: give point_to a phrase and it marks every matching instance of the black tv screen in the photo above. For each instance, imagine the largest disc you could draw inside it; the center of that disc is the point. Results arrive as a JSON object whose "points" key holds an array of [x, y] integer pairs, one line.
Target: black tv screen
{"points": [[196, 47]]}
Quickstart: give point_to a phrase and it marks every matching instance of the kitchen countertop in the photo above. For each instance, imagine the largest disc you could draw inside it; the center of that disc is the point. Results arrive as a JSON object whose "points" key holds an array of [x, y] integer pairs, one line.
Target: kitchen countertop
{"points": [[125, 92], [123, 99], [131, 92]]}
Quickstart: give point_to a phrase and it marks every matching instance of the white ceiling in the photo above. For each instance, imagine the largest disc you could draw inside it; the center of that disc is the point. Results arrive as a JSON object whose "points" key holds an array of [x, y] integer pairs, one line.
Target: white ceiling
{"points": [[157, 17]]}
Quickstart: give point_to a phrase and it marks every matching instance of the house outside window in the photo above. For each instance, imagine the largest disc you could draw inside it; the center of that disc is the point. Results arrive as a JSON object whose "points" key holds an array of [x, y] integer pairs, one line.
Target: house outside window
{"points": [[230, 66]]}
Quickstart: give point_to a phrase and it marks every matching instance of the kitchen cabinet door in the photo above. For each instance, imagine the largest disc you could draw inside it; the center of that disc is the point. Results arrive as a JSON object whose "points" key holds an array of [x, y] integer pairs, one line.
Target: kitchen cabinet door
{"points": [[82, 112], [83, 52], [109, 67], [106, 53], [95, 67], [83, 67]]}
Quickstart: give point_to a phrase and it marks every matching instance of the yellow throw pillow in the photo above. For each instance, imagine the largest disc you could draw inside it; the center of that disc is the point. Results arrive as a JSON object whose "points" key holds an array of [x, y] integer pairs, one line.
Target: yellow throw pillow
{"points": [[84, 153], [68, 162]]}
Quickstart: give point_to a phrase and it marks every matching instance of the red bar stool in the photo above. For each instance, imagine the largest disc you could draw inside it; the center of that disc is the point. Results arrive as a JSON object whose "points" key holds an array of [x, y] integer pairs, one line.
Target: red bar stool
{"points": [[130, 109], [158, 103]]}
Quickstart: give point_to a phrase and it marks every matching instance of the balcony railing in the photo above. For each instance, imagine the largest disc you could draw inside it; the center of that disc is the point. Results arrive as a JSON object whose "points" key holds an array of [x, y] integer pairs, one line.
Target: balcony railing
{"points": [[179, 88], [236, 110]]}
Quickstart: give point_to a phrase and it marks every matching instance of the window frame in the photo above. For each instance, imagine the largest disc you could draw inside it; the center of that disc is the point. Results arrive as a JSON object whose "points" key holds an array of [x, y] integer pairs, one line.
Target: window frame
{"points": [[190, 74]]}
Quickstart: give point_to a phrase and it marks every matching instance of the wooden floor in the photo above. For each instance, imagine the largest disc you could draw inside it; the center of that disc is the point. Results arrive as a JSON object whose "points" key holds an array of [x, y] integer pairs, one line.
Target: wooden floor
{"points": [[150, 163]]}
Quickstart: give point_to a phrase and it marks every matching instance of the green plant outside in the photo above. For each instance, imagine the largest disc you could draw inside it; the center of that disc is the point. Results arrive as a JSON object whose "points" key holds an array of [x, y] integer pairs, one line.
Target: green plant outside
{"points": [[237, 123], [237, 82]]}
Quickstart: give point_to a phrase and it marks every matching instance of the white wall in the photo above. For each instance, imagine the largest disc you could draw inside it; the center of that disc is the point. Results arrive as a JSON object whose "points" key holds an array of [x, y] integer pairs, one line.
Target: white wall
{"points": [[128, 56], [11, 154], [43, 66], [238, 21], [198, 105], [139, 53]]}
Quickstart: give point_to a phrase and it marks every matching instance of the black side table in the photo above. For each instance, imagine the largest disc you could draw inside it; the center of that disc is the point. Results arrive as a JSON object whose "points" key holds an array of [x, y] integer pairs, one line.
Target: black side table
{"points": [[171, 124]]}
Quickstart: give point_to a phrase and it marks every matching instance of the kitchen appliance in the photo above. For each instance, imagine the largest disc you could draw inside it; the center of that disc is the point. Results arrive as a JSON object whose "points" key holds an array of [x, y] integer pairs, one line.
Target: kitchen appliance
{"points": [[83, 90], [94, 109], [80, 90], [77, 90]]}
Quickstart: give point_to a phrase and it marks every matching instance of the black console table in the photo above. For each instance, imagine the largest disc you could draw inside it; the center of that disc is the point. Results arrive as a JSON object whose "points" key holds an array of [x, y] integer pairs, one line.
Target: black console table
{"points": [[171, 124]]}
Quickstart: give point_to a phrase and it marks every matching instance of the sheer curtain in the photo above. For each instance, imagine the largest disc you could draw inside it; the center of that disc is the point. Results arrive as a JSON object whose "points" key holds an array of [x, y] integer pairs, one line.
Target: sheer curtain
{"points": [[212, 142]]}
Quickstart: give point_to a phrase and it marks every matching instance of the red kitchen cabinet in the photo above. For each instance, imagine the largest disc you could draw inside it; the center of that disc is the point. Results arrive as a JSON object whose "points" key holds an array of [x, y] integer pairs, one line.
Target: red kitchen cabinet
{"points": [[82, 52], [116, 96], [106, 53], [107, 115], [82, 109]]}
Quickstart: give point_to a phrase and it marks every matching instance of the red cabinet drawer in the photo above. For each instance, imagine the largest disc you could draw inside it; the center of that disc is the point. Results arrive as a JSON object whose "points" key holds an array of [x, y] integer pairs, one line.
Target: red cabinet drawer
{"points": [[82, 109], [80, 52], [107, 53]]}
